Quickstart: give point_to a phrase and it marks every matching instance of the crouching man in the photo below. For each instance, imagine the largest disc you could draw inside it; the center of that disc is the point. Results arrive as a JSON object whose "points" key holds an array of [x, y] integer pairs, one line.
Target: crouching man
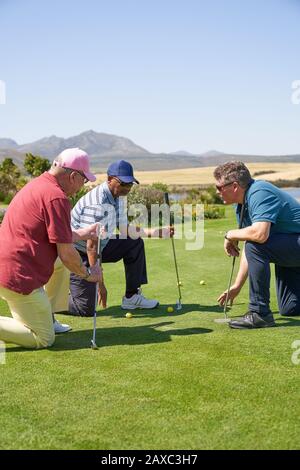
{"points": [[35, 230]]}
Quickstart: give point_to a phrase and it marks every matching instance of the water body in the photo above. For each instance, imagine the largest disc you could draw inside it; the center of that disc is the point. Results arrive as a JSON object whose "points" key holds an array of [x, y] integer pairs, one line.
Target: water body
{"points": [[295, 192]]}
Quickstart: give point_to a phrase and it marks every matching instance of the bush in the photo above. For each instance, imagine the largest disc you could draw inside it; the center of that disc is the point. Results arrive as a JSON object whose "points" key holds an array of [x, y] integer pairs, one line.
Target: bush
{"points": [[203, 196], [9, 177], [160, 186], [8, 198], [74, 199], [145, 195], [2, 214], [214, 212], [36, 165]]}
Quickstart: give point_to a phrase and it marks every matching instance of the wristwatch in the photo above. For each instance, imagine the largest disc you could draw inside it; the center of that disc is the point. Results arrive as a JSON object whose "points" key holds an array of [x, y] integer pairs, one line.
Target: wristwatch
{"points": [[225, 236], [88, 273]]}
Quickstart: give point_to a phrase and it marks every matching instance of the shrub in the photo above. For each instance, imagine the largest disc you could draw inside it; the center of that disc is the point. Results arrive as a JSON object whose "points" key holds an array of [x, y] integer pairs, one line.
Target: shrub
{"points": [[160, 186], [214, 212], [203, 196], [36, 165], [9, 177], [74, 199], [8, 198], [145, 195], [2, 214]]}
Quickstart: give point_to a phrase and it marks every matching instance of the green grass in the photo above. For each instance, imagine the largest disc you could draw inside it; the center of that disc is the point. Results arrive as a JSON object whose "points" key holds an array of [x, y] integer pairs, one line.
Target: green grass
{"points": [[158, 381]]}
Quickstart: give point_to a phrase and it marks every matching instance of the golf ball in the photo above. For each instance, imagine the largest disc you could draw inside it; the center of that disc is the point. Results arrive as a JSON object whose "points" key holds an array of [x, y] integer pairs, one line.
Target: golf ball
{"points": [[179, 283], [128, 315], [202, 283], [170, 309]]}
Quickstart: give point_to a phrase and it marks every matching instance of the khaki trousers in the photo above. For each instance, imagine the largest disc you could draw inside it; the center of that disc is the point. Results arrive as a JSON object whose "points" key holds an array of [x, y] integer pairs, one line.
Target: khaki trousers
{"points": [[31, 325]]}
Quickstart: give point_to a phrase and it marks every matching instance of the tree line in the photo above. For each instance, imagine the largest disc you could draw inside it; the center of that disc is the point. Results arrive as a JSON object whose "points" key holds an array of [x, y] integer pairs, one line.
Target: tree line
{"points": [[12, 179]]}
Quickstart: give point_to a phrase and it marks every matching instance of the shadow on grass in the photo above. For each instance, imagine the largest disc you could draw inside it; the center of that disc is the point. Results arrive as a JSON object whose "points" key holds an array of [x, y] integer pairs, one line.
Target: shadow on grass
{"points": [[120, 336], [284, 322], [127, 335]]}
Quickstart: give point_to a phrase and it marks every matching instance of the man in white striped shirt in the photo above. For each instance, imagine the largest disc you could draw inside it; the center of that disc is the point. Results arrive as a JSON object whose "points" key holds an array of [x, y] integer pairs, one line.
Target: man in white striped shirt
{"points": [[104, 204]]}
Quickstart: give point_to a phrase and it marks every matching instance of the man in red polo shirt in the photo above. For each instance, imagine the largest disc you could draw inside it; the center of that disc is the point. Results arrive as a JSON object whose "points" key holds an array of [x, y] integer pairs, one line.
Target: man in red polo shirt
{"points": [[35, 230]]}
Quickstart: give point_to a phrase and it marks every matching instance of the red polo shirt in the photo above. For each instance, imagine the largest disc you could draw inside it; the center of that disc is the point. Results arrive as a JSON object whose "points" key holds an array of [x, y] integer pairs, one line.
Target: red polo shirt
{"points": [[37, 218]]}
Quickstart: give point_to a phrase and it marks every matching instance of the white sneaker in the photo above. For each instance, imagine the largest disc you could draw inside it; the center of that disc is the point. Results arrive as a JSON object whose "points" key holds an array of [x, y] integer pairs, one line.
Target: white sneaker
{"points": [[61, 327], [138, 301]]}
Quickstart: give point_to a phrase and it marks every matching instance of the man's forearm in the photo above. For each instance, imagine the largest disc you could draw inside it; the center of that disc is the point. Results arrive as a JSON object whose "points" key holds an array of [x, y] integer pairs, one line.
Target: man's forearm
{"points": [[242, 274], [73, 262], [91, 249]]}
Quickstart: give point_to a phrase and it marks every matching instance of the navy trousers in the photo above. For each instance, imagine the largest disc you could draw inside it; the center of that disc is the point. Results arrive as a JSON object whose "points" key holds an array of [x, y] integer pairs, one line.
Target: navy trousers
{"points": [[284, 251], [83, 293]]}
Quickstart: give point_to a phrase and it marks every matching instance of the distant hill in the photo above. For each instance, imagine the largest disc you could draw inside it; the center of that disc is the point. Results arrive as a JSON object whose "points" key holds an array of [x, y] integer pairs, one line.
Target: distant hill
{"points": [[183, 153], [8, 144], [105, 148], [92, 142]]}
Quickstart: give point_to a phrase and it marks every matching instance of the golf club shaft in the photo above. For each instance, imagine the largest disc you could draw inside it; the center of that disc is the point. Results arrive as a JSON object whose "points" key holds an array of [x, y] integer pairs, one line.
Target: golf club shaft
{"points": [[229, 286], [96, 286], [233, 262], [176, 269], [167, 201]]}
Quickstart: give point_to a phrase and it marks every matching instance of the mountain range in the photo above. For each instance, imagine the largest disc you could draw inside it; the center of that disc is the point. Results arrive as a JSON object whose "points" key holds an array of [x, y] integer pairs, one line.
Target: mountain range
{"points": [[105, 148]]}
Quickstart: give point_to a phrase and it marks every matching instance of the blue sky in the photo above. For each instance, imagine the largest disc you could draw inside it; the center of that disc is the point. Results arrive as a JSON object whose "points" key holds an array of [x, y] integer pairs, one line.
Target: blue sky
{"points": [[168, 74]]}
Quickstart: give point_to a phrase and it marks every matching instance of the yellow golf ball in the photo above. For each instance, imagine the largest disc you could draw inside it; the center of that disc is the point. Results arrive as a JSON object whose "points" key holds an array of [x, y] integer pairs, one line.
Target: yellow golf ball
{"points": [[202, 283], [128, 315], [170, 309]]}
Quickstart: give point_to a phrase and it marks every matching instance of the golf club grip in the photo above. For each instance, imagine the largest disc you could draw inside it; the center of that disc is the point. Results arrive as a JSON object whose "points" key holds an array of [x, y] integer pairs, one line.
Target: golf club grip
{"points": [[99, 254], [167, 201]]}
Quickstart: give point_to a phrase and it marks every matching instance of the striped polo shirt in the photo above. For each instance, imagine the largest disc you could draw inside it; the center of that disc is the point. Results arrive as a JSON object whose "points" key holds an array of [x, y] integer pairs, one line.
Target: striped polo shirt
{"points": [[99, 205]]}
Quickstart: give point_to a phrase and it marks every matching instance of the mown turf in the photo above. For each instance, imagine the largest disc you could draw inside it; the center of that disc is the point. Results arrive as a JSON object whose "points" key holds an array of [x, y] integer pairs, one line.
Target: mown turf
{"points": [[159, 380]]}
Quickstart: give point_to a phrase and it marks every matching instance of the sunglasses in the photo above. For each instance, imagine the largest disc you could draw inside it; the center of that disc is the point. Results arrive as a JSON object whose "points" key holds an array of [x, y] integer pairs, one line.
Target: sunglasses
{"points": [[222, 186], [128, 185], [70, 170]]}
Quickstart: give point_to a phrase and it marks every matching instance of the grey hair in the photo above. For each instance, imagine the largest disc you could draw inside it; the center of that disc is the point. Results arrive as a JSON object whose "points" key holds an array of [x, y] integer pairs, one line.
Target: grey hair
{"points": [[233, 171]]}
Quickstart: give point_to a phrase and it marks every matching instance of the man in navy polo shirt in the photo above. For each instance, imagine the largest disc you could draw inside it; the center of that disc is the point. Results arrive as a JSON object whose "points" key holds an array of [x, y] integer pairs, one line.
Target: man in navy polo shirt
{"points": [[105, 204], [271, 230]]}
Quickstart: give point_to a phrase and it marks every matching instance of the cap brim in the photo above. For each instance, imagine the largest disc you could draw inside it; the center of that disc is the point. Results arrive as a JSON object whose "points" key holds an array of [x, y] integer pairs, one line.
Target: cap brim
{"points": [[128, 179], [90, 176]]}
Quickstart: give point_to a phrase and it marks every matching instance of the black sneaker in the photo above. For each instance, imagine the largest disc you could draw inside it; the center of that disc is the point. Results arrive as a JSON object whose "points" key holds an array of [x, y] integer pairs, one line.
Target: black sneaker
{"points": [[253, 320]]}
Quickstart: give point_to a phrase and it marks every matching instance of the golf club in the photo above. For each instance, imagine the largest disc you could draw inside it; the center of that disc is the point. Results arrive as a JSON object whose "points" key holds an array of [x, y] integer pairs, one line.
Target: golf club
{"points": [[226, 319], [93, 340], [178, 303]]}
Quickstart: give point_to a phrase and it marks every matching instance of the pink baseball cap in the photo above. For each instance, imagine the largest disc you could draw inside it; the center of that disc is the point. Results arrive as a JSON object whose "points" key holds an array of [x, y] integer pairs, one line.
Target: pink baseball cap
{"points": [[76, 159]]}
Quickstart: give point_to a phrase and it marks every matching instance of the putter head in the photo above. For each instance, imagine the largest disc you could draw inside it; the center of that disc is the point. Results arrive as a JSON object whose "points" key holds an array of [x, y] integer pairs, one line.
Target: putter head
{"points": [[94, 345], [178, 305]]}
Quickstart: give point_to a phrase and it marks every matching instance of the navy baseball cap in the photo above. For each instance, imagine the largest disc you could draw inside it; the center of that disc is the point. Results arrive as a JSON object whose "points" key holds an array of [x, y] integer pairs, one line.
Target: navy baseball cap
{"points": [[123, 171]]}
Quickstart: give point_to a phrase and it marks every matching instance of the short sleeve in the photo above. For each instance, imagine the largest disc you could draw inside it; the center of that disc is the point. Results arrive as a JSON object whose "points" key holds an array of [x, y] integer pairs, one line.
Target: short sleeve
{"points": [[57, 216], [264, 206]]}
